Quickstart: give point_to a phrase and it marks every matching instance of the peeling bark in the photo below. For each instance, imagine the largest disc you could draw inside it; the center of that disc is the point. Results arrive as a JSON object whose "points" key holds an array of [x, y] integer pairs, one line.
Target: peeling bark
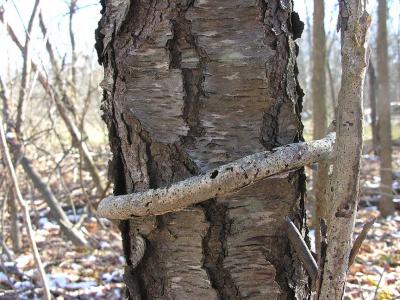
{"points": [[189, 86]]}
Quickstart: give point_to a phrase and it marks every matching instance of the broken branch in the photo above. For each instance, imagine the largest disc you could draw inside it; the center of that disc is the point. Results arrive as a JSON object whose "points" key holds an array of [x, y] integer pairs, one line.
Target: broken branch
{"points": [[221, 181], [302, 251], [359, 240]]}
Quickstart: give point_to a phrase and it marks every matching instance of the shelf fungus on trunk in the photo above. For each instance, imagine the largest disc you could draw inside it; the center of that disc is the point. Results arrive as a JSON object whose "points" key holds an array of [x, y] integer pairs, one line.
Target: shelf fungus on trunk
{"points": [[225, 179]]}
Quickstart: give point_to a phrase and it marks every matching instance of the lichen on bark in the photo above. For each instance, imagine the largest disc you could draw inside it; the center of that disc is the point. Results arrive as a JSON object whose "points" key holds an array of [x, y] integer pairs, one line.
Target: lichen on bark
{"points": [[190, 85]]}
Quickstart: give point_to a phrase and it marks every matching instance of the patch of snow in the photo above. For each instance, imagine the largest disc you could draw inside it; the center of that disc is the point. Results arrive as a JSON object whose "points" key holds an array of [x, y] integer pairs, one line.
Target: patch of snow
{"points": [[30, 273], [74, 218], [115, 276], [44, 223], [105, 221], [104, 245], [396, 185], [23, 260], [9, 264], [3, 277], [371, 184], [58, 280], [370, 157], [121, 259], [9, 135], [80, 285], [376, 225], [371, 208], [311, 235], [20, 285], [76, 266], [44, 212], [91, 258]]}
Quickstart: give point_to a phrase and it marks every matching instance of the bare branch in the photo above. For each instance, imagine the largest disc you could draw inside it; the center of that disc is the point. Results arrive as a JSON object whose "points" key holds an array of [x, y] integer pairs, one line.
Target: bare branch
{"points": [[302, 251], [70, 124], [359, 240], [58, 214], [226, 179], [26, 216], [25, 69], [72, 10]]}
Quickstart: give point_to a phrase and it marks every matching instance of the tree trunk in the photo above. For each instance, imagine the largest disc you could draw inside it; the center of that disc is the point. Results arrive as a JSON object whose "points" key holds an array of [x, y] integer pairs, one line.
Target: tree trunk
{"points": [[15, 230], [354, 23], [307, 105], [319, 112], [372, 103], [319, 77], [188, 87], [386, 205]]}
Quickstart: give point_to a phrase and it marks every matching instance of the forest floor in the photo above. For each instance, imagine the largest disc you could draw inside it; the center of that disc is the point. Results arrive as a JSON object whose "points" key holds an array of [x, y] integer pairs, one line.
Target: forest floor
{"points": [[375, 275], [97, 273]]}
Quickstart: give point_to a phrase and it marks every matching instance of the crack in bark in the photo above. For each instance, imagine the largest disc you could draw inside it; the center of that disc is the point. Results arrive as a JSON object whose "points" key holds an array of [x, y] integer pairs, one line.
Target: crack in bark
{"points": [[214, 243], [166, 163], [274, 115], [280, 19], [118, 168], [214, 247], [193, 77]]}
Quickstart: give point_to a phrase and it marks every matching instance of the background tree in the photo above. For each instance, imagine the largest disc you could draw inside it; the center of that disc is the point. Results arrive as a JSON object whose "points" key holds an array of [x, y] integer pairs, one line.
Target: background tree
{"points": [[386, 205], [372, 87], [319, 110]]}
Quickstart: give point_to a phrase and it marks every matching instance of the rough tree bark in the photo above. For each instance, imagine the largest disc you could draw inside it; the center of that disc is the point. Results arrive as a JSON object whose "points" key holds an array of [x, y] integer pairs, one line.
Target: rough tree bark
{"points": [[190, 85], [319, 113], [386, 205], [354, 22]]}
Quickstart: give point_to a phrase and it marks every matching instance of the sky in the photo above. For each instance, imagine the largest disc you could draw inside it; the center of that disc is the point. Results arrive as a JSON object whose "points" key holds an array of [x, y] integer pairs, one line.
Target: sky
{"points": [[85, 22], [55, 14]]}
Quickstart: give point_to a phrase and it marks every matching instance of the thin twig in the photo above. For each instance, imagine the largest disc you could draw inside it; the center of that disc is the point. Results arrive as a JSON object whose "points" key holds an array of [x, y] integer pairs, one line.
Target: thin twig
{"points": [[359, 240], [62, 104], [378, 285], [25, 69], [26, 216]]}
